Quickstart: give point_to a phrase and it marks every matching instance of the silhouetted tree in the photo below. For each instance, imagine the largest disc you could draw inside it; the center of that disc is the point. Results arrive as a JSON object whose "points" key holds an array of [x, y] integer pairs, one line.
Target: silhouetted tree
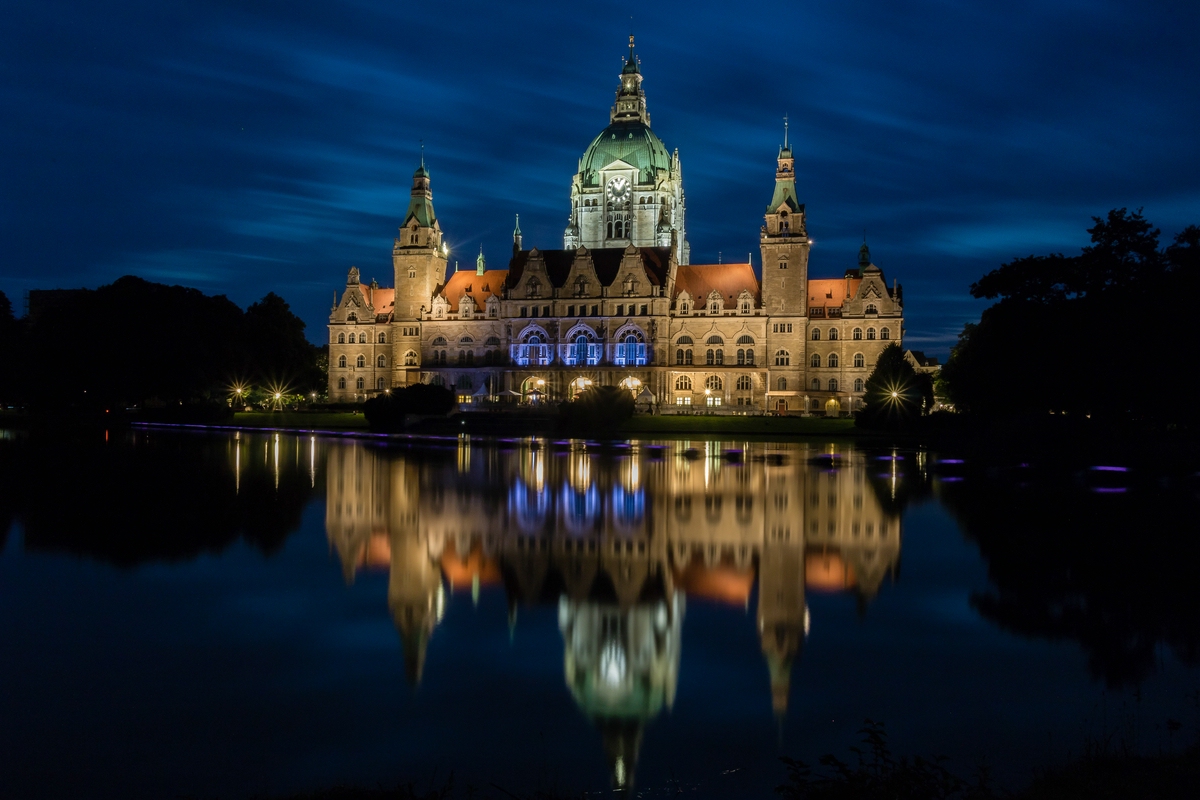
{"points": [[895, 393], [598, 409], [279, 355], [8, 343]]}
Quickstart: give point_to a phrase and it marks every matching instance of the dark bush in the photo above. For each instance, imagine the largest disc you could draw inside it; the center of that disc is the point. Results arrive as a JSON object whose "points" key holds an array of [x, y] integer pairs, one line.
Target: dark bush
{"points": [[387, 412]]}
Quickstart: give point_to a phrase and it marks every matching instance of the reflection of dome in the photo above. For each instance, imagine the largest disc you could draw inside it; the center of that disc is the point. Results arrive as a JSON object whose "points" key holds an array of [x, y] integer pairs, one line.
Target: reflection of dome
{"points": [[632, 142]]}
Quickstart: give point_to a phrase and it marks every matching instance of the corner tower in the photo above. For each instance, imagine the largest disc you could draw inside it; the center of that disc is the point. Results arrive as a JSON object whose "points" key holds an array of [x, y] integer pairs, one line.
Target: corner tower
{"points": [[419, 255], [629, 189]]}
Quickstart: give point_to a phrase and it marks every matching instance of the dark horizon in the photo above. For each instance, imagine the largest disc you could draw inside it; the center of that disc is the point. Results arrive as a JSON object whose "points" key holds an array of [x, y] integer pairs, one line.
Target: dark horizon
{"points": [[242, 151]]}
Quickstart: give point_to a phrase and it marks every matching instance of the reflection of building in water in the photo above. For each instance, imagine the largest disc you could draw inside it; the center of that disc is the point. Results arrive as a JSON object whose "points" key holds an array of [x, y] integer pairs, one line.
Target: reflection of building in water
{"points": [[618, 542]]}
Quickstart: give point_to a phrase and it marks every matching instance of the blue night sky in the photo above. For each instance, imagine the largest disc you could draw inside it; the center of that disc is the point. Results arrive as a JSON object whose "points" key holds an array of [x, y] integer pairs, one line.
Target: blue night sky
{"points": [[246, 147]]}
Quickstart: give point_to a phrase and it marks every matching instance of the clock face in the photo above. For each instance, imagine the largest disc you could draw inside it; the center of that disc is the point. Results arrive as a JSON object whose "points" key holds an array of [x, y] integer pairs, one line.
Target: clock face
{"points": [[618, 189]]}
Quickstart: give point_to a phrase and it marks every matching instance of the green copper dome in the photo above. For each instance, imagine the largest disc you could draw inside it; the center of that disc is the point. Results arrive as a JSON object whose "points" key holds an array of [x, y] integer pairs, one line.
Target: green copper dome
{"points": [[632, 142]]}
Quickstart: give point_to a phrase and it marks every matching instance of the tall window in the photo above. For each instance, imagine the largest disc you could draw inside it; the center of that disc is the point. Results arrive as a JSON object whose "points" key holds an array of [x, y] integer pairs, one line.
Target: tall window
{"points": [[341, 338], [870, 333], [709, 356], [814, 361], [359, 384], [687, 356], [833, 334], [713, 383], [683, 384], [579, 350], [381, 362], [410, 359], [816, 334], [741, 356], [383, 338], [720, 356], [342, 361], [743, 383], [858, 384], [782, 359], [833, 384], [341, 383], [379, 384], [361, 362], [750, 356], [781, 384], [816, 385], [858, 333], [833, 359], [859, 361], [884, 333]]}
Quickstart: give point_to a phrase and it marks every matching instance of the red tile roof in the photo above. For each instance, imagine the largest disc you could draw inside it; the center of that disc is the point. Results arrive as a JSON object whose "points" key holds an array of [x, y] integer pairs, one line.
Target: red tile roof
{"points": [[382, 300], [728, 279], [479, 287], [831, 292]]}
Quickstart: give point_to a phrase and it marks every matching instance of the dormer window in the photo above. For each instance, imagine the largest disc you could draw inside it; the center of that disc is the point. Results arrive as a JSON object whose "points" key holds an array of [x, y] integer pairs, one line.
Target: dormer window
{"points": [[683, 307], [533, 288], [352, 317], [871, 309]]}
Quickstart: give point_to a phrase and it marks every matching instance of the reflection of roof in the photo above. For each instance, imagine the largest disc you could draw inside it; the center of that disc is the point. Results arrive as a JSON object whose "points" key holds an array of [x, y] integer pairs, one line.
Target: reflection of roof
{"points": [[727, 279], [831, 292], [377, 552], [469, 282], [461, 571], [725, 583], [606, 261], [827, 572], [382, 300]]}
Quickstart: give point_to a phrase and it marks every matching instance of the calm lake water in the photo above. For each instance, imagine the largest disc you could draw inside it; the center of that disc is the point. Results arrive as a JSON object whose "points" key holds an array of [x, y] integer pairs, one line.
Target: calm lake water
{"points": [[228, 615]]}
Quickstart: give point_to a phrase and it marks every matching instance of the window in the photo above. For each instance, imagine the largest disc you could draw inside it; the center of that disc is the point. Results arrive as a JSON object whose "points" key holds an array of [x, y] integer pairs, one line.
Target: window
{"points": [[870, 309], [645, 310], [352, 317], [683, 401], [683, 384], [816, 385], [383, 338], [381, 362], [781, 384], [814, 361], [439, 341], [524, 311], [833, 334], [685, 339], [743, 307], [687, 356], [858, 333], [858, 384], [492, 310], [745, 339], [714, 307], [679, 356], [781, 327], [741, 356], [359, 384], [782, 359], [492, 341], [885, 333], [720, 357], [595, 311], [743, 383], [783, 265], [713, 383], [533, 288], [410, 359], [833, 384], [833, 360], [683, 308], [750, 356], [715, 340], [570, 311], [709, 356], [466, 340], [361, 362], [341, 383], [870, 333], [816, 334], [342, 361], [621, 310], [859, 361], [379, 384], [341, 338]]}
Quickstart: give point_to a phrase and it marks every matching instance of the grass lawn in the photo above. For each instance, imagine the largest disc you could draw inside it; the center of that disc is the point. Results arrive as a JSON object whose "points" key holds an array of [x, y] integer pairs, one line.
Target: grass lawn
{"points": [[306, 420], [754, 426]]}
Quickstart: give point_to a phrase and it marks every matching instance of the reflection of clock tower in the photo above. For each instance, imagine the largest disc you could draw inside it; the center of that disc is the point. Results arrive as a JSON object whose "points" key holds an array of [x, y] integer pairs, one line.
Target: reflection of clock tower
{"points": [[629, 189]]}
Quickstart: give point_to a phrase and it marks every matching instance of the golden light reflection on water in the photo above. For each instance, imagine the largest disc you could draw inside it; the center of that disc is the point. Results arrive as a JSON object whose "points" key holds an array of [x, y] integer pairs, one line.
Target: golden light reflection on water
{"points": [[629, 538]]}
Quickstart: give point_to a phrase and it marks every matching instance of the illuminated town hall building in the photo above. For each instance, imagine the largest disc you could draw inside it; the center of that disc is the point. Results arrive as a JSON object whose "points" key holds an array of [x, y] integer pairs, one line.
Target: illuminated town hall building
{"points": [[621, 303]]}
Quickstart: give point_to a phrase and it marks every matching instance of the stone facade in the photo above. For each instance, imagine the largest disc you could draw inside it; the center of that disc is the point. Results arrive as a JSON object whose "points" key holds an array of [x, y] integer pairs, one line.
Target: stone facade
{"points": [[620, 305]]}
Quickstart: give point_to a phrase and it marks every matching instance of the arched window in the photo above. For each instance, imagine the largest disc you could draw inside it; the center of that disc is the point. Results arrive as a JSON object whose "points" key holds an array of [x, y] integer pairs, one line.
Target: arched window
{"points": [[383, 338], [720, 356], [381, 362], [713, 382], [816, 385], [579, 350], [341, 383], [361, 362], [750, 355], [683, 384], [379, 384], [833, 384], [859, 361], [885, 333], [342, 362], [685, 339], [687, 356], [741, 356], [352, 317], [439, 341], [744, 307], [745, 339], [858, 333], [815, 406], [870, 333], [781, 384], [782, 359], [341, 338], [466, 340], [814, 360], [359, 384], [743, 383], [679, 356], [858, 384], [816, 334], [410, 359], [714, 306], [715, 340], [709, 356], [833, 334], [833, 360], [683, 308], [871, 309], [492, 341]]}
